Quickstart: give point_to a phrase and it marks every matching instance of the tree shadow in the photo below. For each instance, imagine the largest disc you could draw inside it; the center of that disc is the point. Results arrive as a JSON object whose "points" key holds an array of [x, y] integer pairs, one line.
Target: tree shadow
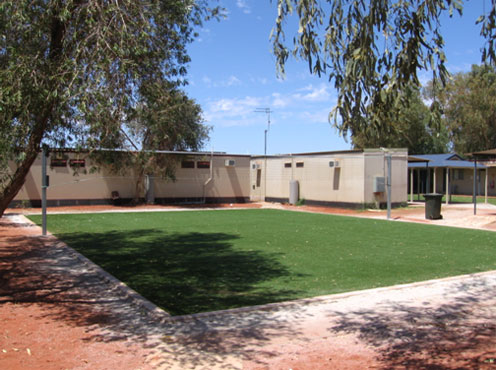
{"points": [[195, 270], [184, 273], [460, 334]]}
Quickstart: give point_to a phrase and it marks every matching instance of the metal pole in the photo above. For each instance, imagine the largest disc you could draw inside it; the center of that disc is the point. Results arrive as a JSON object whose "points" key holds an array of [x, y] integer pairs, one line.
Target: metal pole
{"points": [[447, 185], [474, 190], [411, 184], [389, 186], [485, 184], [428, 187], [265, 143], [44, 186]]}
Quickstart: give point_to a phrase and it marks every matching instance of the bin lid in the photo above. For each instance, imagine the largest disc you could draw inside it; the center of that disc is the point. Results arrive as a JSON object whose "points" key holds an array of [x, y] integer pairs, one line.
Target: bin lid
{"points": [[432, 195]]}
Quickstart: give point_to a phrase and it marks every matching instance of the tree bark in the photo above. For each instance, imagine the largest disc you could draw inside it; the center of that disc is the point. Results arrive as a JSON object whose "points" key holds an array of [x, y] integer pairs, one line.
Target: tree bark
{"points": [[19, 176], [58, 31]]}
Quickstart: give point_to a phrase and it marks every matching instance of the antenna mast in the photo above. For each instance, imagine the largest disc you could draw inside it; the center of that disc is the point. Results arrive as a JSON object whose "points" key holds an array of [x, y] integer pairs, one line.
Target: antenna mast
{"points": [[268, 112]]}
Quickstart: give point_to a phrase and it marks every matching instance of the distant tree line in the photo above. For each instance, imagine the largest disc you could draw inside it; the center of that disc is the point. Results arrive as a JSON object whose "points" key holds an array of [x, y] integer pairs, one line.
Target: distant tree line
{"points": [[466, 121]]}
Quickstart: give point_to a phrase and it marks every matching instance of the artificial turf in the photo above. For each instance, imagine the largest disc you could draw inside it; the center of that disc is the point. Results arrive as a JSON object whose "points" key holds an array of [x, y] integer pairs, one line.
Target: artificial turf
{"points": [[194, 261]]}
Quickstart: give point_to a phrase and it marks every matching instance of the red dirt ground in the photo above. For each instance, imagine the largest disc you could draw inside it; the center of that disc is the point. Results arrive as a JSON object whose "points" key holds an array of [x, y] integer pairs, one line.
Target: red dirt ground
{"points": [[45, 325], [52, 320]]}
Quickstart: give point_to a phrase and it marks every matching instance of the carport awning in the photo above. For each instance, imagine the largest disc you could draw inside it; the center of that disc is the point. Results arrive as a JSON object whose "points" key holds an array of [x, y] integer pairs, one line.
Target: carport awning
{"points": [[483, 153], [413, 159]]}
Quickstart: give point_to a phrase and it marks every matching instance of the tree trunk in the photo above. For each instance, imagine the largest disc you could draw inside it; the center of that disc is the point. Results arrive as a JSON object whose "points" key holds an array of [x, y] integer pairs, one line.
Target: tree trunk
{"points": [[16, 182], [139, 187], [58, 30], [32, 150]]}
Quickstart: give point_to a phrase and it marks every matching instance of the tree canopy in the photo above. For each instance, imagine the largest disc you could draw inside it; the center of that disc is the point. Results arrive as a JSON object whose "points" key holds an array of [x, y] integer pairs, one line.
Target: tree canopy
{"points": [[167, 121], [372, 50], [412, 129], [78, 72], [468, 103]]}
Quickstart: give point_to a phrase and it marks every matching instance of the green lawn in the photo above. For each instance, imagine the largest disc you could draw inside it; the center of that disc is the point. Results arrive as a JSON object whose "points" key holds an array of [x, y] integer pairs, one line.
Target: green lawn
{"points": [[469, 199], [460, 199], [195, 261]]}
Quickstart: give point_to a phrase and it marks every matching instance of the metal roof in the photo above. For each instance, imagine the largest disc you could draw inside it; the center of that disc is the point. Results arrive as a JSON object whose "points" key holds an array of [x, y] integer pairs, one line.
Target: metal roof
{"points": [[483, 153], [450, 160], [413, 159]]}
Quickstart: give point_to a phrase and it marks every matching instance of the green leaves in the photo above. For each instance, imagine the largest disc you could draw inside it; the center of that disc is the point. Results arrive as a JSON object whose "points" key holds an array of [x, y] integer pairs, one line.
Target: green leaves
{"points": [[372, 51], [468, 103], [71, 71]]}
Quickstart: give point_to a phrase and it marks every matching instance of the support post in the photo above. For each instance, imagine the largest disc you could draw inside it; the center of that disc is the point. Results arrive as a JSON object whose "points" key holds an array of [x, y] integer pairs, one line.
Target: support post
{"points": [[486, 184], [418, 183], [474, 196], [44, 185], [388, 158], [411, 184], [434, 180], [447, 185], [428, 186]]}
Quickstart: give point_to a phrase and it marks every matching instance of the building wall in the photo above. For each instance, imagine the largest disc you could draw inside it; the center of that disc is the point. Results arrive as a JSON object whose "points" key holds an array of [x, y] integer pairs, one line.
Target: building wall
{"points": [[228, 183], [461, 181], [317, 180], [349, 183], [376, 167]]}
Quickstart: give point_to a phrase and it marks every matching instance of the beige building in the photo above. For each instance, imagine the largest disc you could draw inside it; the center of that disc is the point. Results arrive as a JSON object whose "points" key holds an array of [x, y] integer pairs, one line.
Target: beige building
{"points": [[200, 177], [353, 178]]}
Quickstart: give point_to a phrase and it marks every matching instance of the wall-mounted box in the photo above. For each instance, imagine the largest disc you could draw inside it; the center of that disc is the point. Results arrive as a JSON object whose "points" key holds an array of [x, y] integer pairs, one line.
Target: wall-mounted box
{"points": [[379, 184]]}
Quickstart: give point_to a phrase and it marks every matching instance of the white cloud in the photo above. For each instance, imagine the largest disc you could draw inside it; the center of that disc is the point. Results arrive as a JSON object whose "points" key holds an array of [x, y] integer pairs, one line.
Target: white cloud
{"points": [[259, 80], [233, 81], [318, 116], [280, 101], [310, 105], [315, 93], [230, 81], [232, 112], [245, 8]]}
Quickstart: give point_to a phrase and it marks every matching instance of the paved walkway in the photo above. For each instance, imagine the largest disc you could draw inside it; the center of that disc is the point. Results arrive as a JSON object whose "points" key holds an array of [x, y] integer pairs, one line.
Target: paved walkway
{"points": [[58, 310]]}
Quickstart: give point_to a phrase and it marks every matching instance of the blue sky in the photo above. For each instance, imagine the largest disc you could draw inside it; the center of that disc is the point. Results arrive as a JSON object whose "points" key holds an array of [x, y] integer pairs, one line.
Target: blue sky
{"points": [[233, 73]]}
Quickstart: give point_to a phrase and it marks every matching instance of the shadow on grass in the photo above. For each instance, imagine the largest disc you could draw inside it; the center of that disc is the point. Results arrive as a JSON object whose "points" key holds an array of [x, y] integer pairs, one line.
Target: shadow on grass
{"points": [[184, 273], [186, 270]]}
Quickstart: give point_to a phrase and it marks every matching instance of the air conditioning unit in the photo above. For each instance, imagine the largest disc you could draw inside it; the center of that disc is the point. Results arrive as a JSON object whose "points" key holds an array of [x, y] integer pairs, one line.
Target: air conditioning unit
{"points": [[230, 162]]}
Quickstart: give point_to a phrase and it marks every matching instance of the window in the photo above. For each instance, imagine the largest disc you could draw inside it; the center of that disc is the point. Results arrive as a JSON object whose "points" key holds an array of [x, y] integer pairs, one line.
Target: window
{"points": [[259, 177], [188, 164], [203, 164], [80, 163], [459, 174], [299, 164], [287, 165], [58, 161]]}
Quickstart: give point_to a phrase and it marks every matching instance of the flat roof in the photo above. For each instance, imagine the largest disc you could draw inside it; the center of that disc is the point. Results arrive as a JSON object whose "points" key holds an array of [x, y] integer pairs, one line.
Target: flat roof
{"points": [[173, 152], [413, 159], [483, 153], [332, 152]]}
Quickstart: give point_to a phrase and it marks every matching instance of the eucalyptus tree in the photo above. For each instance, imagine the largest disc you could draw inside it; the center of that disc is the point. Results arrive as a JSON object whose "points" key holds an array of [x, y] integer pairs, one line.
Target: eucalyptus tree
{"points": [[167, 120], [74, 71], [372, 50], [469, 108], [412, 128]]}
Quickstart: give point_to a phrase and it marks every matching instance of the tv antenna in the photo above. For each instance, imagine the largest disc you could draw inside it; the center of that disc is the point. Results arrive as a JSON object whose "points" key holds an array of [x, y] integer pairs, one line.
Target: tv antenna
{"points": [[268, 112]]}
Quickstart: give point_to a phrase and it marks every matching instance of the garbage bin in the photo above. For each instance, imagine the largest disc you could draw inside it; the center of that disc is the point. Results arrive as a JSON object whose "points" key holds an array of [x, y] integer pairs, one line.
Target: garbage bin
{"points": [[433, 206]]}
